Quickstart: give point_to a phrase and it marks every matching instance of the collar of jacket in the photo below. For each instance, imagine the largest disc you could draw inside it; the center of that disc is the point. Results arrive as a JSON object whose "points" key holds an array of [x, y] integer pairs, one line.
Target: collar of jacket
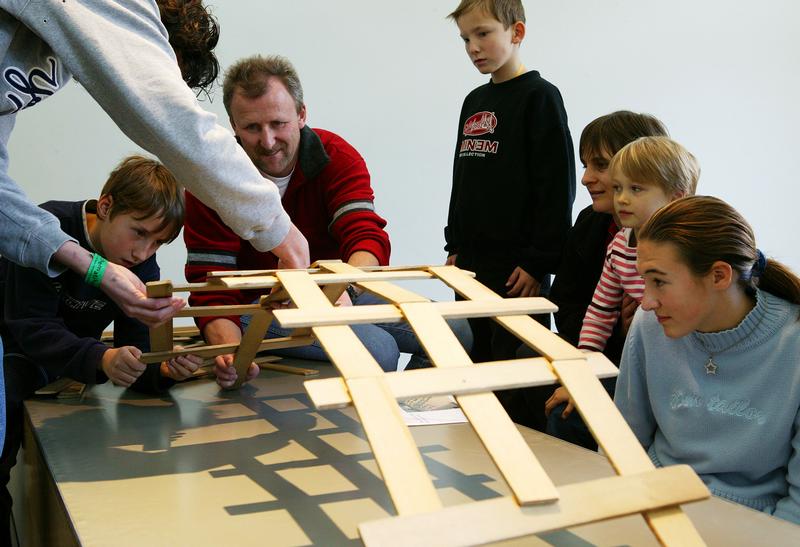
{"points": [[311, 154]]}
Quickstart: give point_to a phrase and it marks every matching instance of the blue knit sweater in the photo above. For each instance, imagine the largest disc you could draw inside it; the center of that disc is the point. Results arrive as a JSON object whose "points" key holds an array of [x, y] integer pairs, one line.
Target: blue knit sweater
{"points": [[740, 428]]}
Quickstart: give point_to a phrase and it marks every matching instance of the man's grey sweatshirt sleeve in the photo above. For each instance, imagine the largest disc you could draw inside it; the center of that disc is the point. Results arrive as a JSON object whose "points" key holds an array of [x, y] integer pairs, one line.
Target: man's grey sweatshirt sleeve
{"points": [[120, 53]]}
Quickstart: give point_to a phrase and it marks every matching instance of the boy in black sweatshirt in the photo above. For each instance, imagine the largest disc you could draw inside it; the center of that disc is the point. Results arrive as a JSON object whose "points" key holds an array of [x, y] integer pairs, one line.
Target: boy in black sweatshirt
{"points": [[513, 174], [51, 327]]}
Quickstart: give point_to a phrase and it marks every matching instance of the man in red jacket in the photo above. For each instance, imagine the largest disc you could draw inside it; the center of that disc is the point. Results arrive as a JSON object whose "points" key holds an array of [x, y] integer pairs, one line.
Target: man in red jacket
{"points": [[325, 189]]}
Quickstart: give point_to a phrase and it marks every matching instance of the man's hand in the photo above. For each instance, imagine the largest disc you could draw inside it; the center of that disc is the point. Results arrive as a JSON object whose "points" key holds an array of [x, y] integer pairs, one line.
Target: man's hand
{"points": [[293, 250], [559, 396], [522, 284], [629, 307], [226, 372], [181, 367], [451, 260], [122, 365]]}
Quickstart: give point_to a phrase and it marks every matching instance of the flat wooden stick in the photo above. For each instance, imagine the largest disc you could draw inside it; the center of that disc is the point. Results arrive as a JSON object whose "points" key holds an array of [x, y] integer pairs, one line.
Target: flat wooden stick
{"points": [[250, 345], [524, 474], [318, 266], [220, 349], [533, 333], [497, 519], [401, 465], [210, 311], [388, 313], [329, 393], [269, 281]]}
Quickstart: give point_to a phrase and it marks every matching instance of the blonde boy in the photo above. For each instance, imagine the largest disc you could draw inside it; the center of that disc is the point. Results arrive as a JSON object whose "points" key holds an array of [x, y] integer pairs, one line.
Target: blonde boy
{"points": [[513, 171], [647, 174]]}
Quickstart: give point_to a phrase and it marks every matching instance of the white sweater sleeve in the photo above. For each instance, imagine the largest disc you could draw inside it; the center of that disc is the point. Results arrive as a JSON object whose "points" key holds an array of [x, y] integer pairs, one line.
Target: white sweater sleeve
{"points": [[119, 52]]}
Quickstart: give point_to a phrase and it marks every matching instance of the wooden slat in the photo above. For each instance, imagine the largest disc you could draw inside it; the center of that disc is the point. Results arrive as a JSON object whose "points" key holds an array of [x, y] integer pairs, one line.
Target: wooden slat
{"points": [[332, 393], [313, 269], [401, 465], [160, 336], [341, 344], [250, 345], [388, 313], [268, 281], [386, 290], [396, 453], [497, 519], [531, 332], [220, 349], [210, 311], [522, 471]]}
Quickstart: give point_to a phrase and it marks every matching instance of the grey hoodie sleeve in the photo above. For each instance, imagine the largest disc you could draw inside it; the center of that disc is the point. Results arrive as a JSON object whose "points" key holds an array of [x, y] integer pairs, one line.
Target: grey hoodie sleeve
{"points": [[30, 235], [119, 51]]}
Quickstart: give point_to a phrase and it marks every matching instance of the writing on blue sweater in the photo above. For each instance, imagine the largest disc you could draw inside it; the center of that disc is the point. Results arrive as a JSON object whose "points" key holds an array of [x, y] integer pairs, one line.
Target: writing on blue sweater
{"points": [[739, 408]]}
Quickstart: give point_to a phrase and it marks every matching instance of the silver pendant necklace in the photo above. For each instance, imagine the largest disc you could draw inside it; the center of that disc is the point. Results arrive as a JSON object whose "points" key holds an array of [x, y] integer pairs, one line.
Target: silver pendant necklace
{"points": [[710, 366]]}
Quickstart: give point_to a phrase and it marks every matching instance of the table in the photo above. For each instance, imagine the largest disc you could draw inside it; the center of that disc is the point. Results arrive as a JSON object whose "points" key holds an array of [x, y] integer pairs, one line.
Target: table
{"points": [[260, 466]]}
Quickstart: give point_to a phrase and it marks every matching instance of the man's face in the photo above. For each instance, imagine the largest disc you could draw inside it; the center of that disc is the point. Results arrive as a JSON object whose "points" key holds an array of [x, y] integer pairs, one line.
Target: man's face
{"points": [[269, 128]]}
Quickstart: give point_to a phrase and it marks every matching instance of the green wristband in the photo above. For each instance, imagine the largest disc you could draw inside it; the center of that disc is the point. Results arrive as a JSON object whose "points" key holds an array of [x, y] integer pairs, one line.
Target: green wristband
{"points": [[94, 275]]}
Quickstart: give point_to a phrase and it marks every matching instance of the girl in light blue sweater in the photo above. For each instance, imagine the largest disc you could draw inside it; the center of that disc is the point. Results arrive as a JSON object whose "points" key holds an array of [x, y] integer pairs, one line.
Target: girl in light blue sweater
{"points": [[710, 373]]}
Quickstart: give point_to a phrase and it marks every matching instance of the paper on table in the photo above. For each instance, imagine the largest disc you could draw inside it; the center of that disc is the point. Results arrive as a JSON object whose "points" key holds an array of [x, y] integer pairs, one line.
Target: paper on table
{"points": [[431, 411], [433, 417]]}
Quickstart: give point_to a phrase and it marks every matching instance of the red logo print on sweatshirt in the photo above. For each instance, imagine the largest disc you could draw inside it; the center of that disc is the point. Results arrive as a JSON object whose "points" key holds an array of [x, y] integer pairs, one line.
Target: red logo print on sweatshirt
{"points": [[480, 124]]}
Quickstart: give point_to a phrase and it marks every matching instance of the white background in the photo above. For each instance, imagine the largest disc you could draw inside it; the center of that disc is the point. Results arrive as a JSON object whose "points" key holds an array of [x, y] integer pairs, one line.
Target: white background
{"points": [[390, 78]]}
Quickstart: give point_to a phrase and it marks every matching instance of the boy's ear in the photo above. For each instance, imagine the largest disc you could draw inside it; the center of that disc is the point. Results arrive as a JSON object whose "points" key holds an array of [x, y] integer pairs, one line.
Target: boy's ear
{"points": [[517, 32], [104, 207]]}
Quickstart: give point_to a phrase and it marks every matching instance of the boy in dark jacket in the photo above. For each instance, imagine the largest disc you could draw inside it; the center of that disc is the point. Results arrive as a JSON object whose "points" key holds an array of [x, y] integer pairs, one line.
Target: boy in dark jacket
{"points": [[51, 327]]}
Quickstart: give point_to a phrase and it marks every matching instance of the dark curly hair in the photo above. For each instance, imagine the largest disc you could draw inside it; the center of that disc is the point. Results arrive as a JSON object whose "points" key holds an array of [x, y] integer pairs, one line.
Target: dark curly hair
{"points": [[193, 35]]}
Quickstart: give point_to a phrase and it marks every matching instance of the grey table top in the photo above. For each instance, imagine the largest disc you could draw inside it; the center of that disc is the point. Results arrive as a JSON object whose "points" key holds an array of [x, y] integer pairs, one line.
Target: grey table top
{"points": [[261, 466]]}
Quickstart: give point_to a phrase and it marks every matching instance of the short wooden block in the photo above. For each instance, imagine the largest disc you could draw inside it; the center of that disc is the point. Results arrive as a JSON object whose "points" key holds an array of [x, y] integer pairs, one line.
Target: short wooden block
{"points": [[160, 336], [500, 518]]}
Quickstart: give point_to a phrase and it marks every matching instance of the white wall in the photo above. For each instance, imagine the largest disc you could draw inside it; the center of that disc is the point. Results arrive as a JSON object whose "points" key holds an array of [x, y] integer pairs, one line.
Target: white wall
{"points": [[390, 78]]}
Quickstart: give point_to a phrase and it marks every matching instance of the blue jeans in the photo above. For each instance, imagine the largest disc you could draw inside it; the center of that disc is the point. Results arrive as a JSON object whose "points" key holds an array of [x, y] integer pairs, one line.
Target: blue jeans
{"points": [[384, 341]]}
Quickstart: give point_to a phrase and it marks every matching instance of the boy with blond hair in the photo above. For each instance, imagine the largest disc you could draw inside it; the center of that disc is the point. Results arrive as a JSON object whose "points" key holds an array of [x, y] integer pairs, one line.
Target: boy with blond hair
{"points": [[51, 327], [513, 174], [646, 175]]}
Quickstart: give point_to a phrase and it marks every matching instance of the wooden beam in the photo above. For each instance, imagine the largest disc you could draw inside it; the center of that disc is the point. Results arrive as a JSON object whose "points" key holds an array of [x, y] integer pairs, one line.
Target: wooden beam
{"points": [[388, 313], [269, 281], [250, 345], [401, 465], [531, 332], [498, 519], [519, 466], [329, 393], [210, 311], [220, 349], [395, 451]]}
